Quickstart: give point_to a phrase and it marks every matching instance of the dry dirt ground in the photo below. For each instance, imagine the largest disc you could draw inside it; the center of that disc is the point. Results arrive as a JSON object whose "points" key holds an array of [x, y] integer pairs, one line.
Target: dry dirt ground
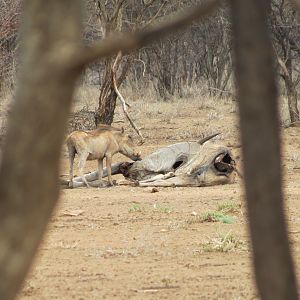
{"points": [[129, 243]]}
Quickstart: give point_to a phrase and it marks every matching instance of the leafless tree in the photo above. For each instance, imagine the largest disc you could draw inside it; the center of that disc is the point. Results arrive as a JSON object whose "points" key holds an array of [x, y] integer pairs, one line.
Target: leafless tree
{"points": [[286, 35], [199, 56]]}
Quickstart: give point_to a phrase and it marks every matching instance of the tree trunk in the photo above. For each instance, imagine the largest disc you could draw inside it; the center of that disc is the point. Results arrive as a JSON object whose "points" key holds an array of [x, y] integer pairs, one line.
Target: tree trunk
{"points": [[259, 118], [106, 109], [291, 91], [108, 97], [292, 101]]}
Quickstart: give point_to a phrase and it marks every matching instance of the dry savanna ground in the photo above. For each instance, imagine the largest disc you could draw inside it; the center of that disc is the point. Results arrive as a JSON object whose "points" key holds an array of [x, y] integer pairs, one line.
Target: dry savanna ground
{"points": [[178, 243]]}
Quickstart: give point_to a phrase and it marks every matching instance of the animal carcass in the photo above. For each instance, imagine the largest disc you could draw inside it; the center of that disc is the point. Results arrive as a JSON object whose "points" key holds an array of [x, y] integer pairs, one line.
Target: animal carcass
{"points": [[200, 163]]}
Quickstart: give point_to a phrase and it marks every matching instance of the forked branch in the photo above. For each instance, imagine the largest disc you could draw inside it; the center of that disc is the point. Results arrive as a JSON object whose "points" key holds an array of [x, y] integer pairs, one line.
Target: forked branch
{"points": [[283, 67]]}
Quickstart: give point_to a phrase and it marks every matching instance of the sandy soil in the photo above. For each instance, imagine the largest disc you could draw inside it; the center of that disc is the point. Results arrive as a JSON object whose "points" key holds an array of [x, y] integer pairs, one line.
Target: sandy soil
{"points": [[129, 243]]}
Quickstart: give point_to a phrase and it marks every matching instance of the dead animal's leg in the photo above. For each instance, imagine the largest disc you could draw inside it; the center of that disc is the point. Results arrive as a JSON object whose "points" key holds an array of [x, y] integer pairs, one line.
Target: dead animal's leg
{"points": [[115, 169], [72, 152], [128, 182], [159, 177], [82, 160], [100, 171], [108, 166]]}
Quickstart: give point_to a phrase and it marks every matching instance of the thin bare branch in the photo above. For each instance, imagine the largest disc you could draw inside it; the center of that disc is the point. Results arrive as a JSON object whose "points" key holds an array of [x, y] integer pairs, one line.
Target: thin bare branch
{"points": [[117, 10], [132, 41], [148, 3], [124, 104], [144, 65], [101, 9], [283, 67], [157, 14]]}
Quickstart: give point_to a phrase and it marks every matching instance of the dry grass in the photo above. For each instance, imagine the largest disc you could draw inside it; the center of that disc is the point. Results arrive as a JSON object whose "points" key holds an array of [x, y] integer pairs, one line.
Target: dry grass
{"points": [[145, 101], [164, 115], [202, 114], [229, 207], [227, 242]]}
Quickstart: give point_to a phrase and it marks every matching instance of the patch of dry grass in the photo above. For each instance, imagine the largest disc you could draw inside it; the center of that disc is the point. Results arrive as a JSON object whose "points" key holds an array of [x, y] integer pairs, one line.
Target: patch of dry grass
{"points": [[188, 118], [227, 242]]}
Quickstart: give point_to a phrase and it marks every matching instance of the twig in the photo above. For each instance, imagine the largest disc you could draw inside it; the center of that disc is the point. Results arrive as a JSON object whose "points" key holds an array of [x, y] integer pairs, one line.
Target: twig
{"points": [[283, 66], [144, 65], [154, 289], [117, 10], [157, 13], [124, 107]]}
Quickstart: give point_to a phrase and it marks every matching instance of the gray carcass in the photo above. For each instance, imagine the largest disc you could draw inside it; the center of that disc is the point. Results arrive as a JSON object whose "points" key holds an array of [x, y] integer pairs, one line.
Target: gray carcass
{"points": [[200, 163]]}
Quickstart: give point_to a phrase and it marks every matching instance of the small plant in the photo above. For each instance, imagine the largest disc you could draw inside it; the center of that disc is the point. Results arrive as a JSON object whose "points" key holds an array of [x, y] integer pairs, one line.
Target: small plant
{"points": [[163, 209], [224, 243], [229, 208], [222, 214], [216, 217], [135, 208]]}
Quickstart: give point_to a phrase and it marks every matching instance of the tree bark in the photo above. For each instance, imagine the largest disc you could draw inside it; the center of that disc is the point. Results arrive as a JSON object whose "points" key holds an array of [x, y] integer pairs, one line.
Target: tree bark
{"points": [[259, 119], [291, 91], [108, 97]]}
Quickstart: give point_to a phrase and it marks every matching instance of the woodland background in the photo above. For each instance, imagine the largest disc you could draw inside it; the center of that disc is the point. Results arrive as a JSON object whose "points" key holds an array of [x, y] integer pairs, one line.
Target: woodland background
{"points": [[197, 60]]}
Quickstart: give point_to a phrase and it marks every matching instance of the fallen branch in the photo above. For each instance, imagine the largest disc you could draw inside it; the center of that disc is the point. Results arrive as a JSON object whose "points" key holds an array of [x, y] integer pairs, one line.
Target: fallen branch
{"points": [[124, 104]]}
